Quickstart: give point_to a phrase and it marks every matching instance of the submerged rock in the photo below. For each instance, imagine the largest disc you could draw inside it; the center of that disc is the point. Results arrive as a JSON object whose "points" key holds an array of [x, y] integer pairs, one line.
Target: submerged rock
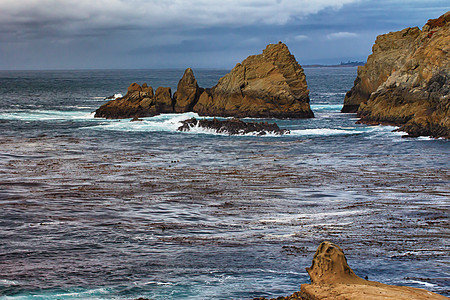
{"points": [[269, 85], [233, 126], [406, 81], [332, 278]]}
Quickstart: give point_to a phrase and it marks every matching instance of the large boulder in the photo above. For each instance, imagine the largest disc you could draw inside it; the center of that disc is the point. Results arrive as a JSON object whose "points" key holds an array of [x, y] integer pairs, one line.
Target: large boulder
{"points": [[268, 85], [413, 87]]}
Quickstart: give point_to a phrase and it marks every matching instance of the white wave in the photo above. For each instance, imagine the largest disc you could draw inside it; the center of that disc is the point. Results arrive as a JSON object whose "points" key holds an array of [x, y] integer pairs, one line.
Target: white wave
{"points": [[163, 122], [45, 115], [333, 94], [6, 282], [118, 95], [336, 107], [322, 131], [427, 284]]}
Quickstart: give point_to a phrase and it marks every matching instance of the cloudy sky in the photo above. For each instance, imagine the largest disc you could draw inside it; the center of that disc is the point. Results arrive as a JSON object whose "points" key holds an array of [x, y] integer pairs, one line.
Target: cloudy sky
{"points": [[108, 34]]}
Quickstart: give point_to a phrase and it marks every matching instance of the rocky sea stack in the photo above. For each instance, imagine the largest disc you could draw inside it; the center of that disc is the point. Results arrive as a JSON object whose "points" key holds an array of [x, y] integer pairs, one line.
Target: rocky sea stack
{"points": [[268, 85], [406, 81], [332, 278]]}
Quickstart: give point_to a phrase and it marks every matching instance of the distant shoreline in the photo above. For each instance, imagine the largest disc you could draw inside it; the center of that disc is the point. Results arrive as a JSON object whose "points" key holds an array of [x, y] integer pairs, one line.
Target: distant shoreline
{"points": [[348, 65]]}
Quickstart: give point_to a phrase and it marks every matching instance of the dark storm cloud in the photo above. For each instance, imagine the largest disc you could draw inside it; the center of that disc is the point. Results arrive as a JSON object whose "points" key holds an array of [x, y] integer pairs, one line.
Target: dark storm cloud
{"points": [[201, 33]]}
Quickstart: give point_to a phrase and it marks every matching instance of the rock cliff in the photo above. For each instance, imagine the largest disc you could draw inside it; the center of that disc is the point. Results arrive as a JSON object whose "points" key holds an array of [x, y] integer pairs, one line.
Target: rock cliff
{"points": [[406, 81], [268, 85], [332, 278]]}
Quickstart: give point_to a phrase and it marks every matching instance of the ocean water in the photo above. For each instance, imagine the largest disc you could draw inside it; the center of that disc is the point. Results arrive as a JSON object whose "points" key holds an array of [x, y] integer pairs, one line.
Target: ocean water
{"points": [[112, 209]]}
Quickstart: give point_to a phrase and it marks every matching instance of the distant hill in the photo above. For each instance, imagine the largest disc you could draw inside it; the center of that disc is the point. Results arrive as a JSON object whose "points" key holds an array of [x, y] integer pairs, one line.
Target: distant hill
{"points": [[342, 64]]}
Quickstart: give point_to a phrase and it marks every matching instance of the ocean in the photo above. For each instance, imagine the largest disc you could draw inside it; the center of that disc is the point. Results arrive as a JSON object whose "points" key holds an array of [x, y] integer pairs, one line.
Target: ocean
{"points": [[112, 209]]}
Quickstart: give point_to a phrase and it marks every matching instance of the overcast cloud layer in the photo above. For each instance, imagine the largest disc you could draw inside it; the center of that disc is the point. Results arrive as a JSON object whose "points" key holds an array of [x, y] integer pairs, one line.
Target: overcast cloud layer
{"points": [[58, 34]]}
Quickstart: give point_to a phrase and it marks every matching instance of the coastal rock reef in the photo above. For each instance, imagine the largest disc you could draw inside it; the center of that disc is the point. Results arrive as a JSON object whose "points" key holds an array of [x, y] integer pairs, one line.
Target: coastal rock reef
{"points": [[233, 126], [332, 278], [406, 81], [267, 85]]}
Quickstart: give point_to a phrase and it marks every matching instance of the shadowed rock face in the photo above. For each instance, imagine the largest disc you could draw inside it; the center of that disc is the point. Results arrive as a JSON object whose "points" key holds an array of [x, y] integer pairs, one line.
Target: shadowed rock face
{"points": [[406, 81], [269, 85], [233, 126]]}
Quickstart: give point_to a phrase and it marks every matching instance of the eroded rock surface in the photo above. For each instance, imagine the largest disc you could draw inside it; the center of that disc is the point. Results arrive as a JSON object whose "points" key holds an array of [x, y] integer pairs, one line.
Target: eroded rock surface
{"points": [[233, 126], [406, 81], [269, 85]]}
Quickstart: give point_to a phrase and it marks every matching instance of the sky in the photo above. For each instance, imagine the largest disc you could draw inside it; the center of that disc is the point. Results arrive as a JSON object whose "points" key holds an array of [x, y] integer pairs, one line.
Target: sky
{"points": [[143, 34]]}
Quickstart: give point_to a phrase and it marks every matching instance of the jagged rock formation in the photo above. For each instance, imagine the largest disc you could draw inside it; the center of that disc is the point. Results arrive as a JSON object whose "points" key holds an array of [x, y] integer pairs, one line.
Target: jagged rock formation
{"points": [[268, 85], [188, 92], [332, 278], [138, 102], [407, 84], [233, 126]]}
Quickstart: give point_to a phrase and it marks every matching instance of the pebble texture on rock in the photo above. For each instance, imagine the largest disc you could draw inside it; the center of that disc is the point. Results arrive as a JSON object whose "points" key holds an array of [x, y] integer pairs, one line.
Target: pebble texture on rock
{"points": [[406, 81]]}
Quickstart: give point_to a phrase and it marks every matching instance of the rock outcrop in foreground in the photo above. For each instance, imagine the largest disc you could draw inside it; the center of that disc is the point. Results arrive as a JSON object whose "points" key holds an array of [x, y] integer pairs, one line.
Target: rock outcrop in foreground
{"points": [[406, 81], [268, 85], [332, 278], [233, 126]]}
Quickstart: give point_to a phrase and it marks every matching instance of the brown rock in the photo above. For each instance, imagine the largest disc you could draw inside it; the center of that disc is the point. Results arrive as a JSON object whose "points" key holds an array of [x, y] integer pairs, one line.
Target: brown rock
{"points": [[138, 102], [332, 278], [163, 100], [270, 85], [134, 87], [330, 265], [389, 53], [415, 94], [188, 92]]}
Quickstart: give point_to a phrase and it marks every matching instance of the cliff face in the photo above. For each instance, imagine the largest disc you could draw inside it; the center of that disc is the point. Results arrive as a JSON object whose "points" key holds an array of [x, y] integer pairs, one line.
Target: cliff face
{"points": [[271, 84], [268, 85], [413, 91], [389, 53]]}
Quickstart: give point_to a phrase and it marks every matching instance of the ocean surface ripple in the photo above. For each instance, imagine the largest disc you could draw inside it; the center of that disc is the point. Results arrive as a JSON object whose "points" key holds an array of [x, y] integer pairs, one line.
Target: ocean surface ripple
{"points": [[112, 209]]}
